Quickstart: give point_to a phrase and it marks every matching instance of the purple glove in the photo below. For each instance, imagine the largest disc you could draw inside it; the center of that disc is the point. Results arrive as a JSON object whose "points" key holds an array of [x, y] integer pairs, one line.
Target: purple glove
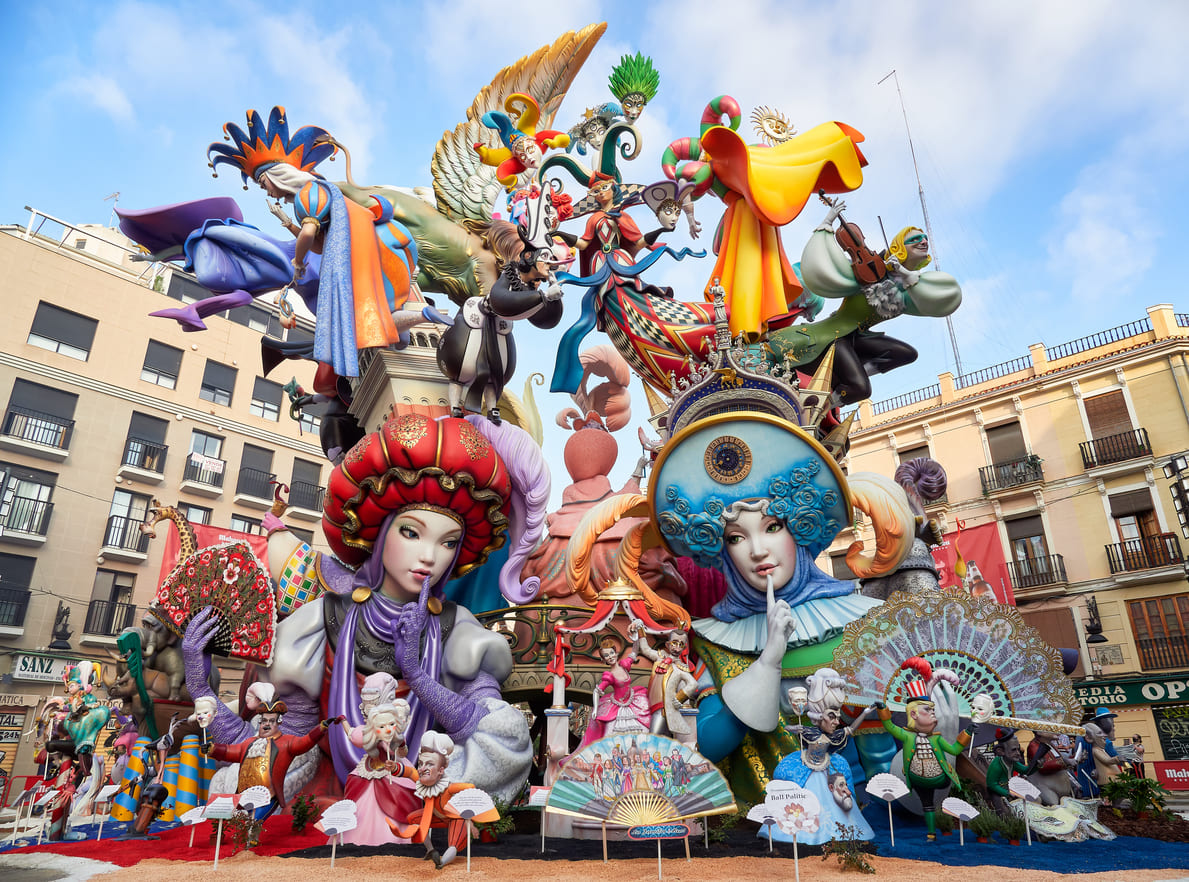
{"points": [[226, 727]]}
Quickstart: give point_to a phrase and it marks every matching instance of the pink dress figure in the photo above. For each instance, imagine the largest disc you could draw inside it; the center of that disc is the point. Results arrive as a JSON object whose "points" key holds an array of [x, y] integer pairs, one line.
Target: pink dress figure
{"points": [[382, 783], [625, 709]]}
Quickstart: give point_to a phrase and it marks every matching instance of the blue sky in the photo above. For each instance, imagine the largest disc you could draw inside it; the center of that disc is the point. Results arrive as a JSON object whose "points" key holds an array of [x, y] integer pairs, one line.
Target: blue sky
{"points": [[1051, 136]]}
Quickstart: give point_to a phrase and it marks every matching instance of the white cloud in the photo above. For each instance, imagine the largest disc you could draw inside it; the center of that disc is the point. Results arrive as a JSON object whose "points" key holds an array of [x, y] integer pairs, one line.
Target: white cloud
{"points": [[101, 92]]}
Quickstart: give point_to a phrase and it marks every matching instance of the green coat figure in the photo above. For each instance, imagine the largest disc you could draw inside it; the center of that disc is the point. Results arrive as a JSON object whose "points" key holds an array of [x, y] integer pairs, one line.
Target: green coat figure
{"points": [[926, 769]]}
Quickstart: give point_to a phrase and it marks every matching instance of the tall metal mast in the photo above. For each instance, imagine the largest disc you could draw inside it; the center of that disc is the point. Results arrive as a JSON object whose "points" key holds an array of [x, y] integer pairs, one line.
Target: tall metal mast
{"points": [[949, 322]]}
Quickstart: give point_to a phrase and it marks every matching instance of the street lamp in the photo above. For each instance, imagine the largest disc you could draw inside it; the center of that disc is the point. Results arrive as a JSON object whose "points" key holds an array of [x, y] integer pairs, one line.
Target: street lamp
{"points": [[1175, 470]]}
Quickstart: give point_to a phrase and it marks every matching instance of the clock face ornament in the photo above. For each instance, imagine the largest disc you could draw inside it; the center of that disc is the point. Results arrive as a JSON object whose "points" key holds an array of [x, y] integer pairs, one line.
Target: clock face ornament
{"points": [[728, 459]]}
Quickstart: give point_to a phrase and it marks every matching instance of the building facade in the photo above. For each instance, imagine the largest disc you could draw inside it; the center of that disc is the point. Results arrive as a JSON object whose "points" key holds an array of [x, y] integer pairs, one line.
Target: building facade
{"points": [[1061, 456], [106, 409]]}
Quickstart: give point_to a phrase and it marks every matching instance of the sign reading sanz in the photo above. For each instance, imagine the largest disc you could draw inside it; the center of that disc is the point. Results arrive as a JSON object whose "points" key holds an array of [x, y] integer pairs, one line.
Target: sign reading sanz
{"points": [[1132, 692], [39, 667]]}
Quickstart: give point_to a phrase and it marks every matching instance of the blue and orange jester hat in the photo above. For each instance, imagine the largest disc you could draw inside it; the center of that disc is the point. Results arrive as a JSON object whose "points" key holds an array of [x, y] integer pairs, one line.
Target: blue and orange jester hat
{"points": [[528, 112], [264, 145]]}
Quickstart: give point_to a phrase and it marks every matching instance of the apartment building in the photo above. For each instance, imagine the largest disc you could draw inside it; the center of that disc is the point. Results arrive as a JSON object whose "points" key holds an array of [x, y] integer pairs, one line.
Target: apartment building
{"points": [[1069, 456], [104, 410]]}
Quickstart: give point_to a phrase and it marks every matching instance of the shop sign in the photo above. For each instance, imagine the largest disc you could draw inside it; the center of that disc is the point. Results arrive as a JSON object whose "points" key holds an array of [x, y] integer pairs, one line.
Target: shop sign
{"points": [[1172, 727], [1173, 776], [1098, 693], [43, 668], [12, 699]]}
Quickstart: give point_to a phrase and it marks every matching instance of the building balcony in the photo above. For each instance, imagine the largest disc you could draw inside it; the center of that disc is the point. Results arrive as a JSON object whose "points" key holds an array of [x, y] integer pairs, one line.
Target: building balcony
{"points": [[108, 618], [143, 461], [203, 475], [1117, 454], [14, 603], [1037, 577], [37, 434], [254, 488], [1002, 477], [305, 501], [124, 540], [1156, 653], [27, 521], [1153, 558]]}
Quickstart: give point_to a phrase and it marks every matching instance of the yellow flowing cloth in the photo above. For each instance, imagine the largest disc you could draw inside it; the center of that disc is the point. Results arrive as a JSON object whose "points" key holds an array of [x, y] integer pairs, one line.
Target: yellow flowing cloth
{"points": [[767, 188]]}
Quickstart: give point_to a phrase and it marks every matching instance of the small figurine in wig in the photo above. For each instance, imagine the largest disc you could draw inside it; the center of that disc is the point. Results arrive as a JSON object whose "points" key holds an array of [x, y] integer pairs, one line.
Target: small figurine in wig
{"points": [[618, 705], [523, 146], [668, 199], [820, 766], [381, 785], [86, 717], [671, 685], [925, 766], [435, 789], [592, 128], [634, 82]]}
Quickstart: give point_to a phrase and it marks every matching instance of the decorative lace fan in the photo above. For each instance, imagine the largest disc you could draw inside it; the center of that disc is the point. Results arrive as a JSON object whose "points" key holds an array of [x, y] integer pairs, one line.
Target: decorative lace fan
{"points": [[987, 644], [635, 779], [232, 580]]}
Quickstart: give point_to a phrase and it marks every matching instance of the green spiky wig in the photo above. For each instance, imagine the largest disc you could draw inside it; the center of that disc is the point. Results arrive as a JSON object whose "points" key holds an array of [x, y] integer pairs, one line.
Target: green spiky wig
{"points": [[634, 73]]}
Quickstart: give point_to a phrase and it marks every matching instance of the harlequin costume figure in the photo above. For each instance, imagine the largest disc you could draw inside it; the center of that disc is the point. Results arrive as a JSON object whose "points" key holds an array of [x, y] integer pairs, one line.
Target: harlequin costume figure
{"points": [[925, 767], [523, 146], [435, 789]]}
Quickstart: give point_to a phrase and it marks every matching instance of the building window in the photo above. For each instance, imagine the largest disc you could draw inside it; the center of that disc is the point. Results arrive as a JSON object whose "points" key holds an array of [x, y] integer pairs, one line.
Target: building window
{"points": [[16, 577], [40, 415], [204, 465], [161, 365], [840, 570], [257, 319], [311, 418], [218, 383], [306, 536], [145, 446], [25, 505], [195, 514], [61, 331], [1006, 443], [241, 524], [1159, 625], [128, 512], [255, 473], [266, 399], [1141, 545], [908, 454], [111, 609], [1030, 563], [305, 487]]}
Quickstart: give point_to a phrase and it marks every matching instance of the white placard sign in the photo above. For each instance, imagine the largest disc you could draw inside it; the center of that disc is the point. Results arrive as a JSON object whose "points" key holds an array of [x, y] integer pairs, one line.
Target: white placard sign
{"points": [[1023, 788], [339, 818], [958, 808], [762, 813], [538, 795], [194, 816], [107, 793], [471, 802], [254, 797], [46, 799], [220, 808], [886, 786], [797, 810]]}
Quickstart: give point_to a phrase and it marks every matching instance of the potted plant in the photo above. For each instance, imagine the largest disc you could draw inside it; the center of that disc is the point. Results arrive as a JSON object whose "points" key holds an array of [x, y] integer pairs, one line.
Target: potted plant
{"points": [[490, 832], [1013, 827]]}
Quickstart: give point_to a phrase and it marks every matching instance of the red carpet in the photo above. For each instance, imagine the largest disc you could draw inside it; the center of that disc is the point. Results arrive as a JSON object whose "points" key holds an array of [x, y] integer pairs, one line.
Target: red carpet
{"points": [[277, 838]]}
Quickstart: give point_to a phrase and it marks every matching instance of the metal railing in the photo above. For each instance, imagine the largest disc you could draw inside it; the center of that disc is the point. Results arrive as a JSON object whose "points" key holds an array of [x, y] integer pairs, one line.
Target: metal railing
{"points": [[1102, 338], [140, 453], [1003, 475], [914, 397], [307, 496], [994, 372], [14, 603], [1163, 652], [125, 533], [108, 618], [204, 471], [38, 428], [27, 515], [1035, 572], [1144, 554], [256, 483], [1115, 448]]}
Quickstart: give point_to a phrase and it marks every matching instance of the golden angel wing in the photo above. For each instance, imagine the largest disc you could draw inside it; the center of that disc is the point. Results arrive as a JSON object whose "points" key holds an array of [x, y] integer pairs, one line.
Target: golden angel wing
{"points": [[464, 187]]}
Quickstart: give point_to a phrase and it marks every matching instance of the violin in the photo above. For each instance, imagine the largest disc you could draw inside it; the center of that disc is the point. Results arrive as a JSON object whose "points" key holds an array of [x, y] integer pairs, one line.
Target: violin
{"points": [[868, 267]]}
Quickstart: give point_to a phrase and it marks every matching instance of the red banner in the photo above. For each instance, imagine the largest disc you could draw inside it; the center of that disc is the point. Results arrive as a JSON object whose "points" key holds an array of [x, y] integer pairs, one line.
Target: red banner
{"points": [[986, 569], [206, 535], [1173, 776]]}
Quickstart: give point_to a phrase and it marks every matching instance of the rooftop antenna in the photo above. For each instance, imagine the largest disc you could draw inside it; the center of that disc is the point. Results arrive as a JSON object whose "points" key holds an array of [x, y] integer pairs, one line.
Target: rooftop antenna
{"points": [[949, 322], [115, 198]]}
